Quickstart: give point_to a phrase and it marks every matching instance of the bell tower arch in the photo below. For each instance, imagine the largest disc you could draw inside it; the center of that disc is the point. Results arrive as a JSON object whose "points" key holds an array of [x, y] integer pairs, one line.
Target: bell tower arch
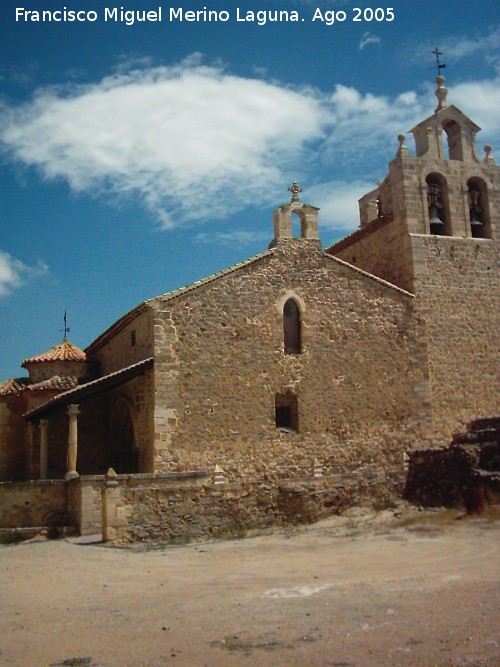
{"points": [[307, 215]]}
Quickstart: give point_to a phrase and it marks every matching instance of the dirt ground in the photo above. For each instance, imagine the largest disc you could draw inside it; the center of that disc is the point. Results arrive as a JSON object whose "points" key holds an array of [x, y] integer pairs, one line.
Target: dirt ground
{"points": [[366, 588]]}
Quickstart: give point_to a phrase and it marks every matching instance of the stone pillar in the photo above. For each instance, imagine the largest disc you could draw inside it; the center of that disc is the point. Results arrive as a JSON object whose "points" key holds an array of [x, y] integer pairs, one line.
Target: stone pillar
{"points": [[72, 413], [44, 448], [113, 514]]}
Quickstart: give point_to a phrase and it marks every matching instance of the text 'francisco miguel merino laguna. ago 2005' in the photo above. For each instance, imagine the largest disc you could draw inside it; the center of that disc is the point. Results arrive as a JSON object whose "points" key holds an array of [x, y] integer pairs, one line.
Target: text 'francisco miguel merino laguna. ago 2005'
{"points": [[178, 14]]}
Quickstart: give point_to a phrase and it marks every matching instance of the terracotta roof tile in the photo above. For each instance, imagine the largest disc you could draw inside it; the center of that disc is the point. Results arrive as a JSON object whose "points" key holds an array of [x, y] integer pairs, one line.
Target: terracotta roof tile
{"points": [[65, 351], [55, 383], [91, 388], [13, 386]]}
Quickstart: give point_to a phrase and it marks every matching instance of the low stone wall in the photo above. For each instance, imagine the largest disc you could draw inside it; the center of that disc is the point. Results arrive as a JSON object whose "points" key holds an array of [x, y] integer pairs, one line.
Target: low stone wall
{"points": [[181, 510], [33, 504]]}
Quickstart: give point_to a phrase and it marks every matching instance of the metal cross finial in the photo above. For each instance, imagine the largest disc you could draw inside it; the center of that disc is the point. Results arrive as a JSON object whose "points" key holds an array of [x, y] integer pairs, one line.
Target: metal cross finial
{"points": [[439, 64], [66, 328], [295, 190]]}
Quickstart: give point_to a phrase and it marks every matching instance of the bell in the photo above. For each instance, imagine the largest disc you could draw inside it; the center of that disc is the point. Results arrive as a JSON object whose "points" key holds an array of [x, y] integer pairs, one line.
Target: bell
{"points": [[434, 219], [474, 218]]}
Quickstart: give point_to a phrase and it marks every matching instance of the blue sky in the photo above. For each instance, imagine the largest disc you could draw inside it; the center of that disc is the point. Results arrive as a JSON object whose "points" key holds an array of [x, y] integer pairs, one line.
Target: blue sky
{"points": [[137, 159]]}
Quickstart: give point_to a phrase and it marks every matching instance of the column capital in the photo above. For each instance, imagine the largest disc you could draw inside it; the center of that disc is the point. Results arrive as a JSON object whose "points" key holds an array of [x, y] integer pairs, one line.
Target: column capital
{"points": [[73, 409]]}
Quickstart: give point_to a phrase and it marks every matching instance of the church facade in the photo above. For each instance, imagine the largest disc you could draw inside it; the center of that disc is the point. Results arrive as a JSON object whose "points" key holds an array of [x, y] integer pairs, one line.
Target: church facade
{"points": [[342, 359]]}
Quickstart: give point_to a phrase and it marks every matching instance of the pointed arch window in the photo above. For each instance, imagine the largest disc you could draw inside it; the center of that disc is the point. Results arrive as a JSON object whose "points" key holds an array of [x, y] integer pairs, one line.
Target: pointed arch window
{"points": [[292, 328]]}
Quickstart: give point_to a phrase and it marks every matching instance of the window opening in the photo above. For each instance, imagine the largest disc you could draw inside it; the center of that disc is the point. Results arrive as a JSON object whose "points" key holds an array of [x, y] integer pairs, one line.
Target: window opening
{"points": [[478, 209], [437, 205], [291, 327], [286, 411]]}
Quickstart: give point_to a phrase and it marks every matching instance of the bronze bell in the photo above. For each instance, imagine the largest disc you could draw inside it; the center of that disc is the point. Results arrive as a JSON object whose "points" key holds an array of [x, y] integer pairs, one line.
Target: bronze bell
{"points": [[434, 219], [475, 220]]}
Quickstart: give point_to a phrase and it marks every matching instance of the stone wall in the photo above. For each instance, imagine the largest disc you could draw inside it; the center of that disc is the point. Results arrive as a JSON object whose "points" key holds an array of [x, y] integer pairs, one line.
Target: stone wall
{"points": [[128, 341], [13, 433], [457, 287], [382, 248], [32, 504], [171, 509], [360, 380], [85, 503]]}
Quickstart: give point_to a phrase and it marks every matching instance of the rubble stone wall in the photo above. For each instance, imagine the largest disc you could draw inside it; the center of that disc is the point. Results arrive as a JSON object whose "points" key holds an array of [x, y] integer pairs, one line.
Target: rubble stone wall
{"points": [[173, 511], [360, 379], [457, 287]]}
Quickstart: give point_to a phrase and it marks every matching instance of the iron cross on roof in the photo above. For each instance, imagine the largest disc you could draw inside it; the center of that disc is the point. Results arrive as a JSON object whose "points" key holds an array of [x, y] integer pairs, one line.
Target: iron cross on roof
{"points": [[295, 190], [439, 64], [66, 328]]}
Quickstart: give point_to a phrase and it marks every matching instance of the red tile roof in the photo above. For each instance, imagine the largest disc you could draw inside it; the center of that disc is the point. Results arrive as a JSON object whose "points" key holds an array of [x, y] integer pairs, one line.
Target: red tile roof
{"points": [[65, 351], [13, 386], [55, 383]]}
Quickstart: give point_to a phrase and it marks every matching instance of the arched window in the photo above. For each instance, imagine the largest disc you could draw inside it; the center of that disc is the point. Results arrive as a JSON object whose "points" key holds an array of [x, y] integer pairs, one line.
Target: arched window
{"points": [[291, 327], [437, 202], [454, 136], [478, 208]]}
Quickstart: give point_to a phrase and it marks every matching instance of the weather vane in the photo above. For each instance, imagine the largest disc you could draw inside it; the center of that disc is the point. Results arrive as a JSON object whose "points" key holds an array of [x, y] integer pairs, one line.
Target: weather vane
{"points": [[66, 328], [439, 64]]}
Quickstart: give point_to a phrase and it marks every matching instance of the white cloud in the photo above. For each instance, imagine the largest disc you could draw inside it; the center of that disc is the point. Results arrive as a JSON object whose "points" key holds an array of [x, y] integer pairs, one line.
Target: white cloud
{"points": [[186, 138], [481, 99], [338, 203], [367, 39], [14, 273], [194, 142]]}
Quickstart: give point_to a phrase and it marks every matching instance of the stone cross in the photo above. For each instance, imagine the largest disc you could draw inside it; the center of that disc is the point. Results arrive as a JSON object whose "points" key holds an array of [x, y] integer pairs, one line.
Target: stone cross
{"points": [[295, 190]]}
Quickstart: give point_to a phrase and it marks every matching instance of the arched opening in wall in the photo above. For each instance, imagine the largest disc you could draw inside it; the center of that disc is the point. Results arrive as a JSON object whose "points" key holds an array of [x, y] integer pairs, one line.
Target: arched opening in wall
{"points": [[124, 455], [297, 225], [437, 204], [454, 136], [292, 328], [479, 218], [287, 412]]}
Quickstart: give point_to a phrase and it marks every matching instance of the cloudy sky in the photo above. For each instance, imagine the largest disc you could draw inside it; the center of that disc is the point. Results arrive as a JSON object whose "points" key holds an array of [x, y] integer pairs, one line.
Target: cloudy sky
{"points": [[139, 158]]}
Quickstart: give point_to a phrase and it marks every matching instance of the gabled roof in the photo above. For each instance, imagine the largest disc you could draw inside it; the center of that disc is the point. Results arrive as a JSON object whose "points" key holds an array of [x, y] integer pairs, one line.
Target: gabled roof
{"points": [[91, 388], [65, 351], [371, 276], [13, 386], [358, 234], [181, 291], [56, 383], [449, 112]]}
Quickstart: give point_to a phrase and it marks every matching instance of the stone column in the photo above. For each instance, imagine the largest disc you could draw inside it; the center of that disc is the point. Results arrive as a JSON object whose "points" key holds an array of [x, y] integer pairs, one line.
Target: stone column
{"points": [[44, 447], [114, 520], [72, 413]]}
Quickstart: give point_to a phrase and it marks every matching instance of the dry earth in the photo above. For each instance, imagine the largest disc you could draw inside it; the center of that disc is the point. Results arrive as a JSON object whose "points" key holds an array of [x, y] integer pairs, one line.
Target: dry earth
{"points": [[362, 589]]}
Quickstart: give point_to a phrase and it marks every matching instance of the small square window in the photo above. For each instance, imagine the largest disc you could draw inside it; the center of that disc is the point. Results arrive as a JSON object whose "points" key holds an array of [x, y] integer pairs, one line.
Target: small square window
{"points": [[286, 412]]}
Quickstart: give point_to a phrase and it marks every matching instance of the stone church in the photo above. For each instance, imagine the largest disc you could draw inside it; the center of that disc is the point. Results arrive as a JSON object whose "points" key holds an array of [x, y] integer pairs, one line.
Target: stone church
{"points": [[300, 358]]}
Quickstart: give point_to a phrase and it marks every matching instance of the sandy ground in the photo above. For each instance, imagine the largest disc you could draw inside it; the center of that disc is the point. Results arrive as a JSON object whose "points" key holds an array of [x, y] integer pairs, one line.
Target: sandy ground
{"points": [[362, 589]]}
